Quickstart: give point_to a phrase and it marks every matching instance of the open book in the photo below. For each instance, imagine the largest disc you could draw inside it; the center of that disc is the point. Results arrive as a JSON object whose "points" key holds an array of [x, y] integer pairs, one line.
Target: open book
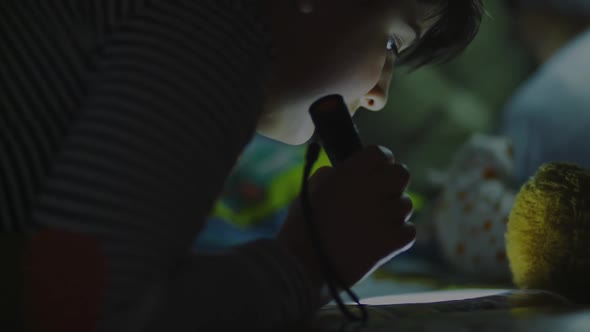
{"points": [[510, 311]]}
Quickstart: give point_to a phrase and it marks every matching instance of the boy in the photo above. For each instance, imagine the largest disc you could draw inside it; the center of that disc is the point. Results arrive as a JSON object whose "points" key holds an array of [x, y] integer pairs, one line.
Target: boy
{"points": [[122, 119]]}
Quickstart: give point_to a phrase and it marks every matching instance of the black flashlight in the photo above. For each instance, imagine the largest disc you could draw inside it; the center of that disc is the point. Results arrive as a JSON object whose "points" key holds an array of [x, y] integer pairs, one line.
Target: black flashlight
{"points": [[335, 129]]}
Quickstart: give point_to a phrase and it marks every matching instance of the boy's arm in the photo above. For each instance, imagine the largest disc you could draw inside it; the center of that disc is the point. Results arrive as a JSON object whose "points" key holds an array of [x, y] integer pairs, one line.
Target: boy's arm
{"points": [[173, 101], [255, 287]]}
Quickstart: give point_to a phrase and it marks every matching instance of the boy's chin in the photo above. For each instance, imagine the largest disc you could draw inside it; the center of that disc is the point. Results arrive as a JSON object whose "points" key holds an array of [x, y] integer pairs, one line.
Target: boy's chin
{"points": [[297, 136]]}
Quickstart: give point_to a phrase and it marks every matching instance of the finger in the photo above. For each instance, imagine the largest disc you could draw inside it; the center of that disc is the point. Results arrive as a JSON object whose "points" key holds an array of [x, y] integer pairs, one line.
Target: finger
{"points": [[405, 208], [370, 157], [399, 240], [394, 179], [399, 210], [404, 238], [386, 152]]}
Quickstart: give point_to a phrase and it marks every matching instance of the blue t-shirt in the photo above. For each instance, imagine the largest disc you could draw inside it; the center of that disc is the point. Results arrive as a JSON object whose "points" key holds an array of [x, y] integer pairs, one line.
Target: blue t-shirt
{"points": [[548, 119]]}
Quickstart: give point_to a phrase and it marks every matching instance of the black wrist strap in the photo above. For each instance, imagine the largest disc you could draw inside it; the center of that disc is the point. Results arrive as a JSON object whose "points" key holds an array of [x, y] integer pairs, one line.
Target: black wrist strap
{"points": [[335, 284]]}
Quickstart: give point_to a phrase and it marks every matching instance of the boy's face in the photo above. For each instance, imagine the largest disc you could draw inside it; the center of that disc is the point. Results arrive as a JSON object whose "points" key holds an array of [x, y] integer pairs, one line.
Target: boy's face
{"points": [[339, 48]]}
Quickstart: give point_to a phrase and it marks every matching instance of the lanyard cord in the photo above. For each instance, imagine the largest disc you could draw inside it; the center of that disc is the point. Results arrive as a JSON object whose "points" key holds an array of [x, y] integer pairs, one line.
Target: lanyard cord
{"points": [[332, 279]]}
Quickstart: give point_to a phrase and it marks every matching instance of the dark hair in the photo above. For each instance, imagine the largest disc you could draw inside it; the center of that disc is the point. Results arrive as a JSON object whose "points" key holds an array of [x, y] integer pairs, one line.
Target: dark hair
{"points": [[457, 25]]}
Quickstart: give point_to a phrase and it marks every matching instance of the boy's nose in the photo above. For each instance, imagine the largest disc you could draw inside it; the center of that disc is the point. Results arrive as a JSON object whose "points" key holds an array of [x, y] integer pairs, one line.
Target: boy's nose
{"points": [[376, 98]]}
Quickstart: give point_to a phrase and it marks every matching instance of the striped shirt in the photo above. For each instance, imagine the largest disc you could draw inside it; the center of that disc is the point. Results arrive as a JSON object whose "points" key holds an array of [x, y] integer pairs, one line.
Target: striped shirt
{"points": [[122, 119]]}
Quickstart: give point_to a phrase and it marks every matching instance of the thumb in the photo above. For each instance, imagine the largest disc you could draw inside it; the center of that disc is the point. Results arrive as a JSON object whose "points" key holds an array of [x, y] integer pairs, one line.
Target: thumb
{"points": [[404, 239]]}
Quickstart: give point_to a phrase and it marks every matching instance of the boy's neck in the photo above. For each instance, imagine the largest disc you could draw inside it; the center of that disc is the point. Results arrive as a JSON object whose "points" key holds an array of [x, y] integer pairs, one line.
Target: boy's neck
{"points": [[545, 33]]}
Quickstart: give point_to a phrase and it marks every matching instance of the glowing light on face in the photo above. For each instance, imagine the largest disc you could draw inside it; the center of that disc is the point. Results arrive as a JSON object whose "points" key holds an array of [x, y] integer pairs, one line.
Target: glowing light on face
{"points": [[438, 296]]}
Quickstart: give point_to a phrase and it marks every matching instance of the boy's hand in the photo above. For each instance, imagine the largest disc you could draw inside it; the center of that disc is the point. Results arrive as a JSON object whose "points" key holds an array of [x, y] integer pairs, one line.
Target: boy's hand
{"points": [[360, 212]]}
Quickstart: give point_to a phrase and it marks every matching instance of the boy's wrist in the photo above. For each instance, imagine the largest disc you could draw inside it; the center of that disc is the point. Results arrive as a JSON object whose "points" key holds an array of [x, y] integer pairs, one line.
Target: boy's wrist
{"points": [[307, 259]]}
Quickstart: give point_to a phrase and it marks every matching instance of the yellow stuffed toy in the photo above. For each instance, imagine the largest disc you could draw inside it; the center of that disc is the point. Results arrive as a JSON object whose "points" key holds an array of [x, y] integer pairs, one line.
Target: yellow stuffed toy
{"points": [[548, 236]]}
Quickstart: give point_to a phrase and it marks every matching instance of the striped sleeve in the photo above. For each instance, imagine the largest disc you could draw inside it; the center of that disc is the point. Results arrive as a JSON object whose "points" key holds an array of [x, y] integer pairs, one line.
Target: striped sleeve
{"points": [[162, 109]]}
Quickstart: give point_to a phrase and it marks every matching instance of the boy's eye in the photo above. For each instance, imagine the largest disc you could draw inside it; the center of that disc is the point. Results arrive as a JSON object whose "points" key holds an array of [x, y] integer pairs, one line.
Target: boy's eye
{"points": [[393, 45]]}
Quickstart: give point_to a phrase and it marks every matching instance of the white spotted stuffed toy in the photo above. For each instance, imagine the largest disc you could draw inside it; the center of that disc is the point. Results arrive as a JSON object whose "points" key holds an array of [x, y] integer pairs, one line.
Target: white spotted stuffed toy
{"points": [[472, 212]]}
